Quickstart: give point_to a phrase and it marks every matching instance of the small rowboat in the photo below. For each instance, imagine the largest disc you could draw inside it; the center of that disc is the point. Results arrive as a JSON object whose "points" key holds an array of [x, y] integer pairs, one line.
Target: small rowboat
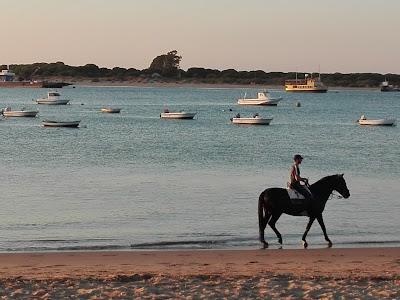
{"points": [[256, 120], [111, 110], [71, 124], [7, 112], [376, 122], [177, 115]]}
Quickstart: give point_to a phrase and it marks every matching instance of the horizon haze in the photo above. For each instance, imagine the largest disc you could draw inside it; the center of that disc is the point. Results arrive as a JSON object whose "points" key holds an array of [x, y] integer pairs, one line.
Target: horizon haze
{"points": [[347, 37]]}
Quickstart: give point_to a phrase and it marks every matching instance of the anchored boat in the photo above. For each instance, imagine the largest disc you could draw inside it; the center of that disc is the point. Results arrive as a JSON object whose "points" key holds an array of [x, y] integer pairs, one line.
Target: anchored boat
{"points": [[255, 120], [376, 122], [7, 112], [166, 114], [71, 124], [263, 98], [53, 98], [308, 84], [111, 110]]}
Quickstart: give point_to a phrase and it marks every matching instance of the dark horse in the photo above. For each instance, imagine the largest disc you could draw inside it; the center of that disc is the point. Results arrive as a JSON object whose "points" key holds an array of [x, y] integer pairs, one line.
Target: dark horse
{"points": [[274, 202]]}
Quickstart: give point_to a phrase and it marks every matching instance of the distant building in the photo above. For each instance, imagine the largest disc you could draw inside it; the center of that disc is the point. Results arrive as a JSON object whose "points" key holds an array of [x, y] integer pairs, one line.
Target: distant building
{"points": [[6, 75]]}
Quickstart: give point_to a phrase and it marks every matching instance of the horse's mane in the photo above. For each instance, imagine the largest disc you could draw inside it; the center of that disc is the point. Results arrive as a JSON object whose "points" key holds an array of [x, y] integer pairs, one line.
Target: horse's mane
{"points": [[323, 181]]}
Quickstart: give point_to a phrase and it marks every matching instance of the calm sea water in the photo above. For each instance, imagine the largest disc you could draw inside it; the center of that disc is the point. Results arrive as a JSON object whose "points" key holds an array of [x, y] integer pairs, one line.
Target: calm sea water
{"points": [[133, 179]]}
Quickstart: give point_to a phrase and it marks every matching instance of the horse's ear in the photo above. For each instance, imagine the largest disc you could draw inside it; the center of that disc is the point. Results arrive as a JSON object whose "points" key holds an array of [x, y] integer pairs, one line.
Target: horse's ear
{"points": [[341, 175]]}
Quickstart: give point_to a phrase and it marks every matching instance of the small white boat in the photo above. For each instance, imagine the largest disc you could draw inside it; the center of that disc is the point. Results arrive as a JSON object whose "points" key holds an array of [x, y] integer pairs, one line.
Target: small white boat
{"points": [[263, 98], [53, 98], [7, 112], [177, 115], [376, 122], [71, 124], [255, 120], [111, 110]]}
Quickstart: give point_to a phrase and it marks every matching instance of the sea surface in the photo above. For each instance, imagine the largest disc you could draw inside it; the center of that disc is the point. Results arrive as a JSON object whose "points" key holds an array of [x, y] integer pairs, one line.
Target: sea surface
{"points": [[134, 181]]}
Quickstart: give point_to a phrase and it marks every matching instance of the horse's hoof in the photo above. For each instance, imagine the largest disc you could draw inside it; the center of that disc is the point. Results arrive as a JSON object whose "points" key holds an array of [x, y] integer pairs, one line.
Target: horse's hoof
{"points": [[265, 245], [330, 244], [305, 244]]}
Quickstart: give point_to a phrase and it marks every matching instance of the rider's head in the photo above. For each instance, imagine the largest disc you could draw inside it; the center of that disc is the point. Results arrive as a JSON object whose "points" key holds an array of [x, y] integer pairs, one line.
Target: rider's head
{"points": [[297, 158]]}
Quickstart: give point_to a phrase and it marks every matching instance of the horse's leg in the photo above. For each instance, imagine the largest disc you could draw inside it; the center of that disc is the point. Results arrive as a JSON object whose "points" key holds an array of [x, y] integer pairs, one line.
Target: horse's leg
{"points": [[310, 222], [322, 224], [262, 229], [272, 223]]}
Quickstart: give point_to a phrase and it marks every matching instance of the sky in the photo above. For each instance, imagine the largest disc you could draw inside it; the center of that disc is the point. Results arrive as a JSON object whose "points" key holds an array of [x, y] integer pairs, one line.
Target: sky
{"points": [[282, 35]]}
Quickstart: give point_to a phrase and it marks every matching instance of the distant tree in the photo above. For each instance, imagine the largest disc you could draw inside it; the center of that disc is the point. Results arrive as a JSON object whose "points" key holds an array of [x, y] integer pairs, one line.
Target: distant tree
{"points": [[166, 64]]}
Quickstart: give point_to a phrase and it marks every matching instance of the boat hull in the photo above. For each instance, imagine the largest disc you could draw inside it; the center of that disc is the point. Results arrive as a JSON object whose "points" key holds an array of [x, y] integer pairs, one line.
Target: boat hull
{"points": [[52, 102], [180, 115], [379, 122], [252, 121], [72, 124], [271, 102], [26, 114], [111, 110], [306, 91]]}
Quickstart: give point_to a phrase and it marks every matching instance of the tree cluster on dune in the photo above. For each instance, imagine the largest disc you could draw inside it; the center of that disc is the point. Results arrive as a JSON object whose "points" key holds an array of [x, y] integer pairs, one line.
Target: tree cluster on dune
{"points": [[166, 68]]}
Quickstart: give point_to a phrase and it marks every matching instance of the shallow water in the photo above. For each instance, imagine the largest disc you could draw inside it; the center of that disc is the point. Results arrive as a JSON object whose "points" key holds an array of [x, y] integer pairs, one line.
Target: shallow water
{"points": [[132, 178]]}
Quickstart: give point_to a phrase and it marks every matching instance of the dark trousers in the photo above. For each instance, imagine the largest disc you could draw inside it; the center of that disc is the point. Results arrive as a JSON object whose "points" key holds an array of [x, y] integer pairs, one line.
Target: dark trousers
{"points": [[301, 189]]}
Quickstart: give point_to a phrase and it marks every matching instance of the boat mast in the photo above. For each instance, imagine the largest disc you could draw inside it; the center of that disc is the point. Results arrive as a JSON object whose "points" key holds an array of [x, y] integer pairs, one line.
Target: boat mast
{"points": [[319, 71]]}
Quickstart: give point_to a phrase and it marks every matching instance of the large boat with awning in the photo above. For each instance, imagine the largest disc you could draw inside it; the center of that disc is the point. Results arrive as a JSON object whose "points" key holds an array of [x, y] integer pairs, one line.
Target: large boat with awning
{"points": [[308, 84]]}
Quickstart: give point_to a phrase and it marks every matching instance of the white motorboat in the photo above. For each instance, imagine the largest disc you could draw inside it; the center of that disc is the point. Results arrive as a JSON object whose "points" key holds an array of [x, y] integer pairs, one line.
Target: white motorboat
{"points": [[177, 115], [111, 110], [376, 122], [263, 98], [53, 98], [7, 112], [71, 124], [255, 120]]}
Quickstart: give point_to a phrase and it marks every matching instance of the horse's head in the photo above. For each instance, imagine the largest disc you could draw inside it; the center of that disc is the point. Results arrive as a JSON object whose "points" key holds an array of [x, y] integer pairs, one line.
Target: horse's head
{"points": [[340, 186]]}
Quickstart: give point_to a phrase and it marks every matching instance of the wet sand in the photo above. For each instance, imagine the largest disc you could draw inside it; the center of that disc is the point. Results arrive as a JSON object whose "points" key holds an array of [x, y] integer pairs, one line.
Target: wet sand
{"points": [[329, 273]]}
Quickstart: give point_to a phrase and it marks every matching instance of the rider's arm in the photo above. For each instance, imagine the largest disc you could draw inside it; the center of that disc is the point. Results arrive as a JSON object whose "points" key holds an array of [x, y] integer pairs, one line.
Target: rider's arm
{"points": [[294, 174]]}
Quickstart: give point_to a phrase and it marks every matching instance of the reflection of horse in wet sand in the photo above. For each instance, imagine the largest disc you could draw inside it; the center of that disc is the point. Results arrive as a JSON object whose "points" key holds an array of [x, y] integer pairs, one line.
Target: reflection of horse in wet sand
{"points": [[274, 202]]}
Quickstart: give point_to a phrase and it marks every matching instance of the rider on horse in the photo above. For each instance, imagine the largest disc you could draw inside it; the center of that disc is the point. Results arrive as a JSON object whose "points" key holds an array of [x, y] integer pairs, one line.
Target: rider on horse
{"points": [[296, 179]]}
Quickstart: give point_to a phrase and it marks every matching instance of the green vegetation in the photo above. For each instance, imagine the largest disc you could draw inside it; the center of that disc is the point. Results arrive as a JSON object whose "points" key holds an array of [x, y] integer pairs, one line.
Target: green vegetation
{"points": [[165, 68]]}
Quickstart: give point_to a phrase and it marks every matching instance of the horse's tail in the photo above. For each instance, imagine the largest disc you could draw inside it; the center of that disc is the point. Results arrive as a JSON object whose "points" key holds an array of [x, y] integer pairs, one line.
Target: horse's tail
{"points": [[263, 216]]}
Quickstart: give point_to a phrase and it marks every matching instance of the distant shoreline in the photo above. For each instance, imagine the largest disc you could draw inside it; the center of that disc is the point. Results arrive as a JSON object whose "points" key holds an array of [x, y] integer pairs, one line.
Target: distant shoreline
{"points": [[171, 75], [157, 84]]}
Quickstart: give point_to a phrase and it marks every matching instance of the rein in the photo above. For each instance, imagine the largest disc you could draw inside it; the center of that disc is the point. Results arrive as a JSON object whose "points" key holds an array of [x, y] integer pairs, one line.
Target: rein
{"points": [[335, 194]]}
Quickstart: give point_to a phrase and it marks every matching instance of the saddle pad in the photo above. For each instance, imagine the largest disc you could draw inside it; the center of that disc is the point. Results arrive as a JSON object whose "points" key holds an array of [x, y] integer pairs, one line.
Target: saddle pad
{"points": [[293, 194]]}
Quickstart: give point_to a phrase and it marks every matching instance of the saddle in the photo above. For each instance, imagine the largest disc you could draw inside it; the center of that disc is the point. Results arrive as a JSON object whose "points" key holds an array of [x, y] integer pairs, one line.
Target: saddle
{"points": [[295, 196], [297, 199]]}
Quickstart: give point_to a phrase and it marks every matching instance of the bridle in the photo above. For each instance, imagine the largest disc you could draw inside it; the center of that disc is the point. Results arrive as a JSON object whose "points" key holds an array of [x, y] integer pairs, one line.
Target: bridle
{"points": [[335, 194]]}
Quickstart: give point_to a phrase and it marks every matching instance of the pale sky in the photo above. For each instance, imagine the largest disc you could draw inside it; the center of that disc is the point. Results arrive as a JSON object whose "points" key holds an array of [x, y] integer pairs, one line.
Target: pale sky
{"points": [[281, 35]]}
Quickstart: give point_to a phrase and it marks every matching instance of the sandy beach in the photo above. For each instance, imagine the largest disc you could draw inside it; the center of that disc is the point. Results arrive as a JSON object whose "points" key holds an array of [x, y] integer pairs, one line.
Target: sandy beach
{"points": [[322, 273]]}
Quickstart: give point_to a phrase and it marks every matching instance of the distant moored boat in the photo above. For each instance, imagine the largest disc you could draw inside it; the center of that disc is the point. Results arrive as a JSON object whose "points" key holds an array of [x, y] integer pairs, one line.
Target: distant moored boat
{"points": [[7, 112], [53, 98], [308, 84], [111, 110], [71, 124], [255, 120], [263, 98], [386, 87], [166, 114], [376, 122]]}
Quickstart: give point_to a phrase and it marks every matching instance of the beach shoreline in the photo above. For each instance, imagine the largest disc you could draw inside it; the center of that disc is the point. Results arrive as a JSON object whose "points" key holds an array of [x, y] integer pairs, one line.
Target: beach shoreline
{"points": [[181, 84], [330, 262], [182, 274]]}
